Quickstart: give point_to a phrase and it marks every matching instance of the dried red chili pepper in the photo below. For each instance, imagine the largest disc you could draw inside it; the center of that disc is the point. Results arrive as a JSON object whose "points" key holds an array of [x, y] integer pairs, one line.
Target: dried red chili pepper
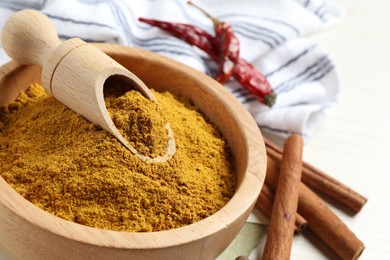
{"points": [[255, 82], [226, 45], [186, 32], [228, 51], [244, 72]]}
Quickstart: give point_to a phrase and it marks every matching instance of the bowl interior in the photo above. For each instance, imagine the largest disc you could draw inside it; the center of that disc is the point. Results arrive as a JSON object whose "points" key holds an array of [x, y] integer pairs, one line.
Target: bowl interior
{"points": [[206, 238]]}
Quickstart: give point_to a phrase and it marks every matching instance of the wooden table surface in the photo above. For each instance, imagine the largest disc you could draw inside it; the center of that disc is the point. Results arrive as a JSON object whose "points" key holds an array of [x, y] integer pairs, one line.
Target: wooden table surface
{"points": [[352, 142]]}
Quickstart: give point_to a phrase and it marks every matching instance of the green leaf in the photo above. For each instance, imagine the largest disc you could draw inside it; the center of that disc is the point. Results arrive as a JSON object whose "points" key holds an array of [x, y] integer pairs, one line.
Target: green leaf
{"points": [[246, 240]]}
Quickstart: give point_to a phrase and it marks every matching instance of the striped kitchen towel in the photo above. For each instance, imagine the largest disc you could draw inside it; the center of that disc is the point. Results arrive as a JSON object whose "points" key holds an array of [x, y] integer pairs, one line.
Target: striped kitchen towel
{"points": [[271, 34]]}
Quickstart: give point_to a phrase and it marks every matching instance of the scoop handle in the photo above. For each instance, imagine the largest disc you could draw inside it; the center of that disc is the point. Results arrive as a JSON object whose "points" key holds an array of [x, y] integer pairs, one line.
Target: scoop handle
{"points": [[29, 37]]}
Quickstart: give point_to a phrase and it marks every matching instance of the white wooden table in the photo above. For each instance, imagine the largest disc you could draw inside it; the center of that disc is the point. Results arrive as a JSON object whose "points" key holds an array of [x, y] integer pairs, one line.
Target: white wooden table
{"points": [[352, 143]]}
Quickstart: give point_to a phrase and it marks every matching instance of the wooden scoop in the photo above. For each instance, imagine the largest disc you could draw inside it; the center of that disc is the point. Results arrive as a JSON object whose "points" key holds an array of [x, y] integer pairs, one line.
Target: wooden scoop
{"points": [[73, 71]]}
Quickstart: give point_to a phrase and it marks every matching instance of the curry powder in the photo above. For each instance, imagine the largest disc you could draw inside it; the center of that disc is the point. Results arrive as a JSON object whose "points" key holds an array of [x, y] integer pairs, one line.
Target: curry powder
{"points": [[75, 170], [140, 121]]}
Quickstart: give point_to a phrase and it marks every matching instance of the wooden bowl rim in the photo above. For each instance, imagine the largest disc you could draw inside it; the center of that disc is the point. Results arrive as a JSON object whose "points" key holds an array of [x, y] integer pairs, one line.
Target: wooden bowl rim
{"points": [[242, 201]]}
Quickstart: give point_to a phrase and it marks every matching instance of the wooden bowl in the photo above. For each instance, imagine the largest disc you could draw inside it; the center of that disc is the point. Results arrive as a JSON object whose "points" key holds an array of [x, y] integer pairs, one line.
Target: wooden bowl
{"points": [[28, 232]]}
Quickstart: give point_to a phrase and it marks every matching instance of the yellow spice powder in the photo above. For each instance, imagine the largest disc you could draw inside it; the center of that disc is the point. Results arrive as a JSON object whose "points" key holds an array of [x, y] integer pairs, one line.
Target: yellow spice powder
{"points": [[77, 171], [140, 121]]}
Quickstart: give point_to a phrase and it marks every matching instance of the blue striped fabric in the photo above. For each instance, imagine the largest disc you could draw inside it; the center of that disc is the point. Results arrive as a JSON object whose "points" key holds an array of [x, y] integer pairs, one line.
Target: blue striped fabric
{"points": [[271, 33]]}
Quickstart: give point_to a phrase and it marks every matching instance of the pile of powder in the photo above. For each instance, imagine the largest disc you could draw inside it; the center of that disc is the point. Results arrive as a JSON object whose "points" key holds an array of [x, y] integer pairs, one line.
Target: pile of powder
{"points": [[73, 169], [141, 121]]}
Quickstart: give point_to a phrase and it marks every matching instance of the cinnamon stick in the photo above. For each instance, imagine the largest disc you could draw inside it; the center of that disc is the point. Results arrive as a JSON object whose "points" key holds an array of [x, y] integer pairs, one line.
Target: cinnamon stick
{"points": [[282, 222], [265, 202], [321, 220], [322, 182], [332, 188], [300, 223]]}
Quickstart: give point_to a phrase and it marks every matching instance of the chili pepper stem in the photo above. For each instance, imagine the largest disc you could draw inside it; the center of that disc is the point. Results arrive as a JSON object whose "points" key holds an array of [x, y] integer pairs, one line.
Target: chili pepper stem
{"points": [[215, 21], [270, 99]]}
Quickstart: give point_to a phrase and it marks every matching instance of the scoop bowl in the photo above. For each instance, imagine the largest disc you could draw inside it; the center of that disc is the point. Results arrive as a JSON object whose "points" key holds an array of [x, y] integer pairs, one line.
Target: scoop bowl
{"points": [[28, 232]]}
